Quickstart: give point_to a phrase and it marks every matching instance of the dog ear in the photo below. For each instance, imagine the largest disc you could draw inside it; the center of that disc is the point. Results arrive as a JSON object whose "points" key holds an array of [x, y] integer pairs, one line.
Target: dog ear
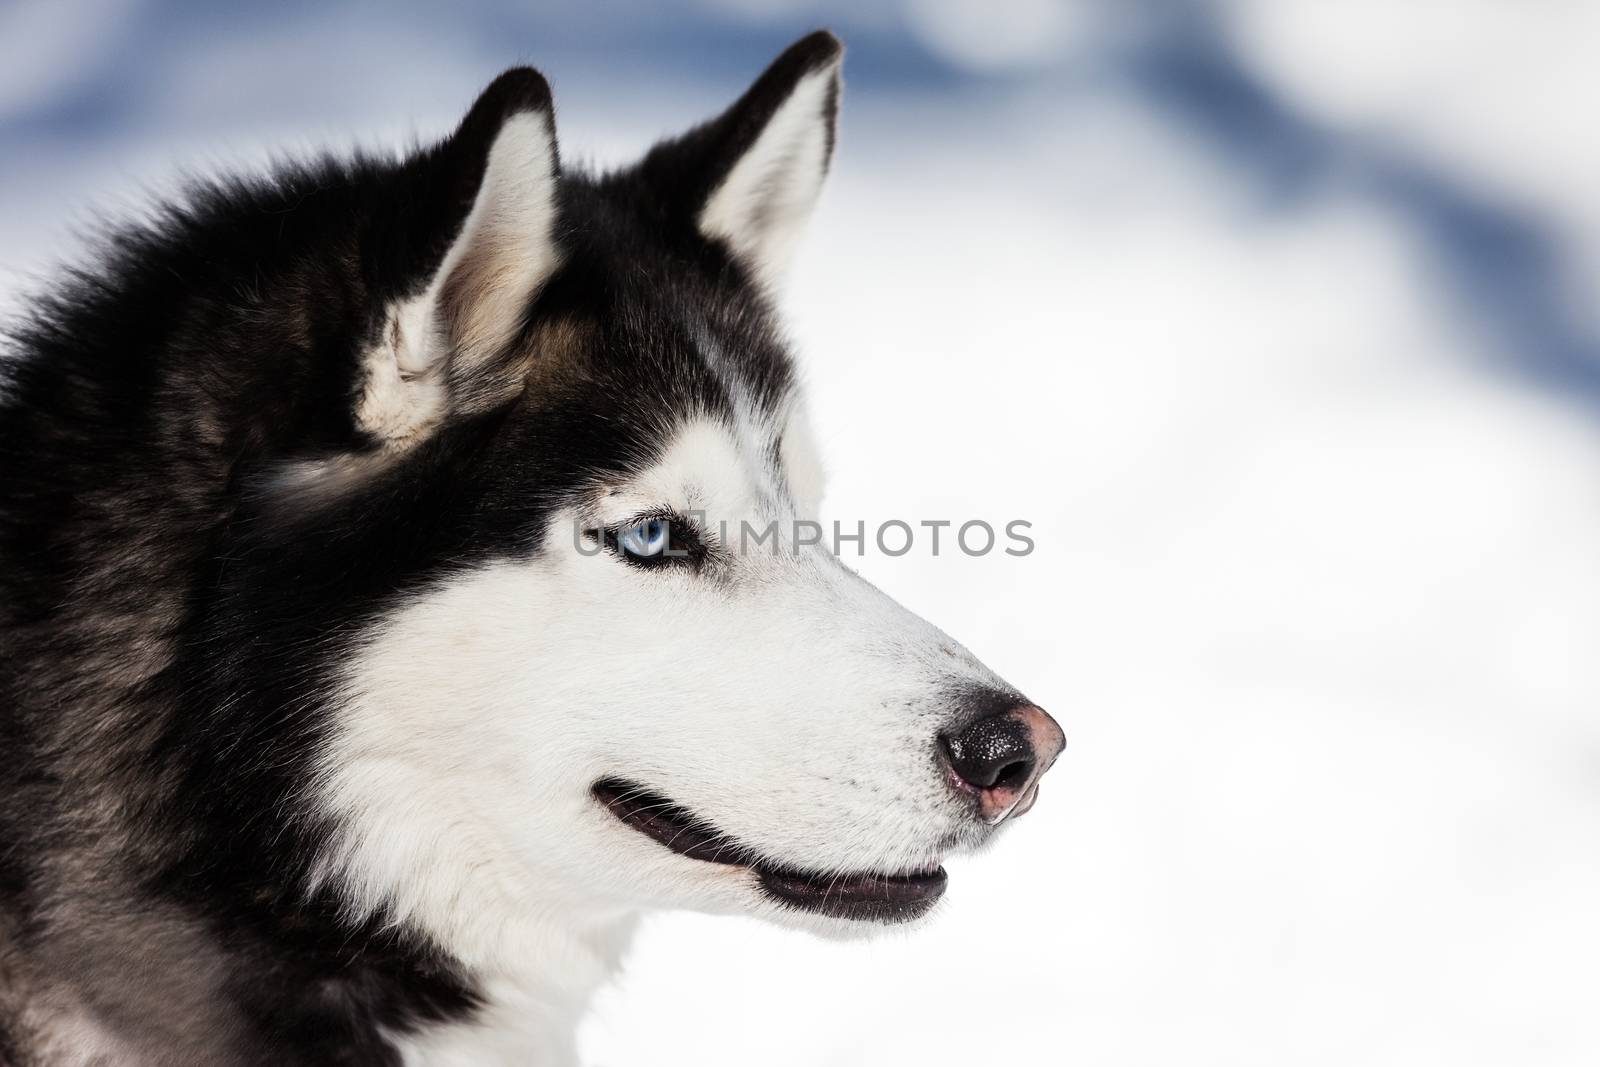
{"points": [[444, 347], [750, 177]]}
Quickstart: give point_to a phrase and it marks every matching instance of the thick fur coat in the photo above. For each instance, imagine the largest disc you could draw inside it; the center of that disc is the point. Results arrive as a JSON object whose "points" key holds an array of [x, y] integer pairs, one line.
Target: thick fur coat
{"points": [[348, 715]]}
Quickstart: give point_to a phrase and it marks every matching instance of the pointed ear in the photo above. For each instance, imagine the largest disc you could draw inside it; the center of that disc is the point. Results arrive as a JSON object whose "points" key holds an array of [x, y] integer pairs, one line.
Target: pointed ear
{"points": [[443, 346], [751, 176]]}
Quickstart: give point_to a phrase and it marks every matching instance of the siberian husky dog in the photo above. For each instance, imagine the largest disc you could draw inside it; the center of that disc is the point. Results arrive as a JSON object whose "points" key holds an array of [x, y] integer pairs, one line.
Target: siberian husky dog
{"points": [[377, 639]]}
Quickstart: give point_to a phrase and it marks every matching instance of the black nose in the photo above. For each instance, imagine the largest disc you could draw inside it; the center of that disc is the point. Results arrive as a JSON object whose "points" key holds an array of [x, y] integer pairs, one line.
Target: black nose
{"points": [[1000, 758]]}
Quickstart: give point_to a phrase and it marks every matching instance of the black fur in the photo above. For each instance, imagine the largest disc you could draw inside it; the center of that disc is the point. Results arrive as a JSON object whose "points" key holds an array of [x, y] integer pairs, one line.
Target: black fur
{"points": [[168, 617]]}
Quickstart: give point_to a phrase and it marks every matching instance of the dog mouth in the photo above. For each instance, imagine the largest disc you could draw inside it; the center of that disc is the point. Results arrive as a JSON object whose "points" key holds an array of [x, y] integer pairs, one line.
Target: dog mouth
{"points": [[867, 896]]}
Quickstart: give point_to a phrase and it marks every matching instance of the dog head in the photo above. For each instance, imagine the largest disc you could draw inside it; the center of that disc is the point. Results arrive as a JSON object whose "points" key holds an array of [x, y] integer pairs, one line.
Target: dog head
{"points": [[576, 655]]}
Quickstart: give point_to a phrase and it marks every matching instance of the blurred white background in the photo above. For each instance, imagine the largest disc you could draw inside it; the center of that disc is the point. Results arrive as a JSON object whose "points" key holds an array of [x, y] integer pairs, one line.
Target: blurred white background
{"points": [[1276, 318]]}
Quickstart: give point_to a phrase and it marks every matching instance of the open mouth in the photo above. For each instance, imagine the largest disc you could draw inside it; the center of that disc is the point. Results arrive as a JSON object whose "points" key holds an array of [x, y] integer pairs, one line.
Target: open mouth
{"points": [[869, 896]]}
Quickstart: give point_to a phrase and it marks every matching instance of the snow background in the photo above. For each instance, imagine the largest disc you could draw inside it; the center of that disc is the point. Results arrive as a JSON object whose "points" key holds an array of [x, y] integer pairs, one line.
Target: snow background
{"points": [[1277, 318]]}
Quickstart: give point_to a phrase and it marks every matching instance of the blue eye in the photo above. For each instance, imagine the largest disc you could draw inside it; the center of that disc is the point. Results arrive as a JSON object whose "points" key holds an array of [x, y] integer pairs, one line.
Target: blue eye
{"points": [[648, 538]]}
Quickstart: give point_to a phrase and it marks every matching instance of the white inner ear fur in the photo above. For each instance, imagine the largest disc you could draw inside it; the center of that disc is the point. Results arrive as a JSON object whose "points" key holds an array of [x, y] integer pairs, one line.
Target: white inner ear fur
{"points": [[762, 205], [474, 304]]}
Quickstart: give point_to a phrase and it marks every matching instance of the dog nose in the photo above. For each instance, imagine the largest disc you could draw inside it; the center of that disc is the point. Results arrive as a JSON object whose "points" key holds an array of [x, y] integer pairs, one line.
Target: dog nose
{"points": [[1001, 757]]}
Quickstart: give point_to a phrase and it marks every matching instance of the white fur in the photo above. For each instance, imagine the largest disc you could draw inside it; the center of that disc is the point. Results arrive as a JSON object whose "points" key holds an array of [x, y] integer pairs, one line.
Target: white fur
{"points": [[802, 464], [784, 699], [761, 207]]}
